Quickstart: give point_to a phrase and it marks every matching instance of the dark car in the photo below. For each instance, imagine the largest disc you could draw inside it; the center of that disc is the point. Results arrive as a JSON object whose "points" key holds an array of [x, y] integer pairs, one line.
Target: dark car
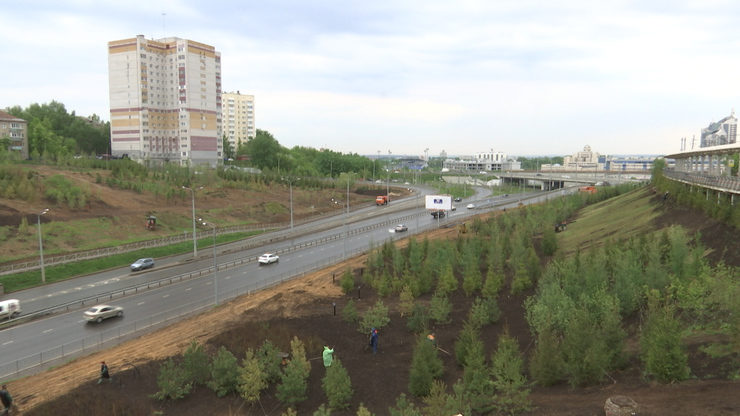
{"points": [[458, 199], [142, 264], [438, 214]]}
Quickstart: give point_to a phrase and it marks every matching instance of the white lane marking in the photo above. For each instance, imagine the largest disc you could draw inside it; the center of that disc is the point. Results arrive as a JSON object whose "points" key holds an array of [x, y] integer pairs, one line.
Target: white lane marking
{"points": [[227, 277], [165, 296], [7, 342], [187, 289], [140, 303], [48, 330]]}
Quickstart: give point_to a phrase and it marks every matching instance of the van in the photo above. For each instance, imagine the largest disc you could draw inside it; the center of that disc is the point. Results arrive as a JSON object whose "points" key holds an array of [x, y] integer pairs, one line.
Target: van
{"points": [[10, 308]]}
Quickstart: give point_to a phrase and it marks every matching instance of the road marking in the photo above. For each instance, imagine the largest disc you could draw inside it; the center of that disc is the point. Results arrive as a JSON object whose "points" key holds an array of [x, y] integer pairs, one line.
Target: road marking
{"points": [[48, 330], [187, 289], [6, 343], [140, 303], [166, 296], [227, 277]]}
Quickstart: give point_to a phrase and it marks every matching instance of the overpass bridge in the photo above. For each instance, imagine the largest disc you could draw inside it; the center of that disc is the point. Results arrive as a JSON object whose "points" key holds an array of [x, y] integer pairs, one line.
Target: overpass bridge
{"points": [[547, 181], [710, 168]]}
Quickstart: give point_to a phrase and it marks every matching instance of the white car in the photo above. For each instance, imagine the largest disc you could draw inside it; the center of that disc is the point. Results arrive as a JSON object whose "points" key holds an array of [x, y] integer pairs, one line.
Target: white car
{"points": [[99, 312], [268, 258], [470, 206], [401, 228]]}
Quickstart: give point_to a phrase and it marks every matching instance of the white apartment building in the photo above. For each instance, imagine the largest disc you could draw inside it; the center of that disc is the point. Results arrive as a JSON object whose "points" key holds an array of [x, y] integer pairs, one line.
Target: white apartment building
{"points": [[481, 162], [165, 100], [238, 118]]}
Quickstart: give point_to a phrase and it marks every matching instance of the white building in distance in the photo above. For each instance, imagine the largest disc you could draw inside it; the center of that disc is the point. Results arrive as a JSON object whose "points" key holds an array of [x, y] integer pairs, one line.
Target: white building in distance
{"points": [[165, 100], [481, 162]]}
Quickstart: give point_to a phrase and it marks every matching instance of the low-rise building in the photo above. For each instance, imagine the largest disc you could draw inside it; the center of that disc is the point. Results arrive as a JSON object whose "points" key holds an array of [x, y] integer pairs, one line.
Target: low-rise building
{"points": [[16, 130], [482, 162]]}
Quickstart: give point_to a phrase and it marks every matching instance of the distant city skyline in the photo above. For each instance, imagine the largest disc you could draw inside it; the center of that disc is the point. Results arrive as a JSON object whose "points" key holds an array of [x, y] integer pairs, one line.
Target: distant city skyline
{"points": [[524, 77]]}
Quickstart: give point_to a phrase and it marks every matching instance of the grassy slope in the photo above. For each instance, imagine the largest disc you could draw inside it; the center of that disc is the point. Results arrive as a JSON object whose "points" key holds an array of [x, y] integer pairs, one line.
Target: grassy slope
{"points": [[615, 219]]}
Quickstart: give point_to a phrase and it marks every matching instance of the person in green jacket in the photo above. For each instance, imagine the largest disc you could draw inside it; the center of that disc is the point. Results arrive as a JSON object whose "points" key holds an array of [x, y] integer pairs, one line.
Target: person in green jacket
{"points": [[328, 356]]}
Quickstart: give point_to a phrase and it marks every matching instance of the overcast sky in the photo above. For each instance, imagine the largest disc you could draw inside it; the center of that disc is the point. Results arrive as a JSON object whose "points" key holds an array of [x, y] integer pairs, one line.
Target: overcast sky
{"points": [[523, 77]]}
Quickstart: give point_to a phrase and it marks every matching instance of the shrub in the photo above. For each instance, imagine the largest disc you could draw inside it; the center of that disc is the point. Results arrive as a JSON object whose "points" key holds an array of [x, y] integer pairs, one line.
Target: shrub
{"points": [[404, 407], [172, 381], [484, 312], [406, 300], [322, 411], [546, 365], [465, 340]]}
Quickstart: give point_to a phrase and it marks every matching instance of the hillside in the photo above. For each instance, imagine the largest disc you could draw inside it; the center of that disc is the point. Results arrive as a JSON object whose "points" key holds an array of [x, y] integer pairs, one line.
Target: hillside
{"points": [[111, 216], [301, 308]]}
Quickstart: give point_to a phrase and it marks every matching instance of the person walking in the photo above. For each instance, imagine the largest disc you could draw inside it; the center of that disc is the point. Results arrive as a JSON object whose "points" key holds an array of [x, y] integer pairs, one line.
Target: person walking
{"points": [[374, 340], [104, 374], [7, 400], [328, 356]]}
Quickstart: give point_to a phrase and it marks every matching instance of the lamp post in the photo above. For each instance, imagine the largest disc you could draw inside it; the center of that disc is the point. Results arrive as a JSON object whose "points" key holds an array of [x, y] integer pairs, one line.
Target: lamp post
{"points": [[41, 246], [215, 266], [388, 179], [195, 244]]}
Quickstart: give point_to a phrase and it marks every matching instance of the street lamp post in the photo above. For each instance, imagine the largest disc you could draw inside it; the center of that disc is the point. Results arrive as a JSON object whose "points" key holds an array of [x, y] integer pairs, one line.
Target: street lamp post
{"points": [[215, 266], [388, 179], [41, 246], [195, 244]]}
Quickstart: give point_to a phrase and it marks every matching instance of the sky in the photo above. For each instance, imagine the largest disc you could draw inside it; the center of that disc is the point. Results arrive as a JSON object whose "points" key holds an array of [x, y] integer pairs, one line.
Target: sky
{"points": [[523, 77]]}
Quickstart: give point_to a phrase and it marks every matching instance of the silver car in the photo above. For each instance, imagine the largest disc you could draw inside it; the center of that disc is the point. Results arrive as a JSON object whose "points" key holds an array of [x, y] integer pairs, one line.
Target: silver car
{"points": [[268, 258], [142, 264], [100, 312]]}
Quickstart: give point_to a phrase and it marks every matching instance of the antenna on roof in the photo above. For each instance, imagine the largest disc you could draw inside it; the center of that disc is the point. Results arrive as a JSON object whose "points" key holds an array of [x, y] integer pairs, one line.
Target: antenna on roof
{"points": [[164, 33]]}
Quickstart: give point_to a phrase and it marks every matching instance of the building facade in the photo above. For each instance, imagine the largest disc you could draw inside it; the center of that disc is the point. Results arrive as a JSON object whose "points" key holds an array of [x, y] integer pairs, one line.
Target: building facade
{"points": [[238, 118], [165, 100], [16, 130], [482, 162], [720, 133], [584, 160]]}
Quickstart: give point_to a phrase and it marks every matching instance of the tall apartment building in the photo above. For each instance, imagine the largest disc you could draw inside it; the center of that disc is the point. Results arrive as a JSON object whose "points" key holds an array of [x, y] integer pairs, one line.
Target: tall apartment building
{"points": [[165, 100], [721, 132], [238, 118], [15, 129]]}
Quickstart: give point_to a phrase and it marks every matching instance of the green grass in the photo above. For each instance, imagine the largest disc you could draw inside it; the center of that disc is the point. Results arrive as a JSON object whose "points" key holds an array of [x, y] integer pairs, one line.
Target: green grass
{"points": [[614, 219], [25, 280]]}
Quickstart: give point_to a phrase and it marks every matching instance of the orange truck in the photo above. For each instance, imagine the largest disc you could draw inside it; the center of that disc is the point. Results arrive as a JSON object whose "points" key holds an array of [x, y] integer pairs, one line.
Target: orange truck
{"points": [[588, 189], [382, 200]]}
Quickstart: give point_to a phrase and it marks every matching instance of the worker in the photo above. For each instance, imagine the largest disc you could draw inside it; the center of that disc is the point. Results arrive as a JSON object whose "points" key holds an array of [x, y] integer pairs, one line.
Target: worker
{"points": [[374, 340], [328, 356], [432, 339]]}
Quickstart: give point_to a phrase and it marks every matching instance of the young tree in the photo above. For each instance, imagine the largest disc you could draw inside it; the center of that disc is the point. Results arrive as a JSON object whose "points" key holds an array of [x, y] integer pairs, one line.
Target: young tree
{"points": [[662, 351], [337, 386], [469, 338], [404, 407], [425, 367], [546, 365], [251, 380], [509, 382], [347, 282], [224, 372], [362, 411], [172, 381], [195, 364], [440, 308], [447, 282], [493, 283], [406, 300], [418, 321], [322, 411], [270, 361], [549, 241], [476, 379], [349, 312], [375, 317], [292, 388]]}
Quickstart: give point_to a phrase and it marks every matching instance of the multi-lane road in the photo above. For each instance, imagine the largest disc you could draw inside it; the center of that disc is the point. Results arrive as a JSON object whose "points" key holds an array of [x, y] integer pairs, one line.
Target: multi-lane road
{"points": [[36, 344]]}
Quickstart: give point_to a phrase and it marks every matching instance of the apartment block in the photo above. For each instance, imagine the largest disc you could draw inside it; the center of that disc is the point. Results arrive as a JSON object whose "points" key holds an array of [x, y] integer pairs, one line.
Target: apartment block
{"points": [[165, 100], [15, 129], [721, 132], [238, 118]]}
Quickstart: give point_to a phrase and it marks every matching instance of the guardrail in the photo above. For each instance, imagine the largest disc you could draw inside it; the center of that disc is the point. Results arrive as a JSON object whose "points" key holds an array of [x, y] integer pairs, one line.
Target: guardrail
{"points": [[719, 183], [128, 247]]}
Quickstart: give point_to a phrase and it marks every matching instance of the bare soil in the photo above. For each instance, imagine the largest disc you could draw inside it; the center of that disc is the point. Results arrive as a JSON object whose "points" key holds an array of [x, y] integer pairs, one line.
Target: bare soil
{"points": [[303, 308]]}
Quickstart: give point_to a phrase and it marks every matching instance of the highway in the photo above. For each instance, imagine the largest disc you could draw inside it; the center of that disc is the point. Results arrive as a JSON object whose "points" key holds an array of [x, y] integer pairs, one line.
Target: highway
{"points": [[35, 345]]}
